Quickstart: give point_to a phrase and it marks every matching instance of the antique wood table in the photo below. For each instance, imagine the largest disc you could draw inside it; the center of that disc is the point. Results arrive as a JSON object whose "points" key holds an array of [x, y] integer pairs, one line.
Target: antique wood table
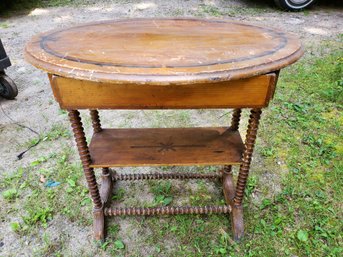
{"points": [[164, 64]]}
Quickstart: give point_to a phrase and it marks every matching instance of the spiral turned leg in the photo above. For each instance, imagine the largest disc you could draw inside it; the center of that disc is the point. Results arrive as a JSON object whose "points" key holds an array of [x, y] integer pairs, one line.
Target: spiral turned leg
{"points": [[228, 185], [236, 117], [95, 121], [106, 176], [237, 208], [82, 147], [246, 160]]}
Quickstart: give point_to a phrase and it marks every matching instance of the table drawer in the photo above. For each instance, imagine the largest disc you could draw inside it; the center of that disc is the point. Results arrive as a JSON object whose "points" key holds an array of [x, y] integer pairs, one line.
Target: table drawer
{"points": [[246, 93]]}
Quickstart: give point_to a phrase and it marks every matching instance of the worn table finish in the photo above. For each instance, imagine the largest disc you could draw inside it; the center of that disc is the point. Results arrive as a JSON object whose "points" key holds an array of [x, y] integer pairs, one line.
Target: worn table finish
{"points": [[164, 64]]}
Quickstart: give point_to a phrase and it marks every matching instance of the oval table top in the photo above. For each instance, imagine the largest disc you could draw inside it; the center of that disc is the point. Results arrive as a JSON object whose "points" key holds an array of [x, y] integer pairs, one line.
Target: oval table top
{"points": [[163, 51]]}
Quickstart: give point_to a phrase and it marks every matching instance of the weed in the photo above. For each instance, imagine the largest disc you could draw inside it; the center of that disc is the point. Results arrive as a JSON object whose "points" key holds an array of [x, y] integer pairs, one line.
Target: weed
{"points": [[119, 244], [15, 226], [42, 159], [268, 152], [251, 185], [162, 194], [10, 194], [57, 131], [211, 10], [119, 195], [42, 215], [113, 229]]}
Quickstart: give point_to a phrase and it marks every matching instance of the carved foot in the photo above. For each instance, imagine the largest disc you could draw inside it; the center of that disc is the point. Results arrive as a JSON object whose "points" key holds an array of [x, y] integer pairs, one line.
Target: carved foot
{"points": [[99, 224], [237, 222], [237, 211], [106, 188]]}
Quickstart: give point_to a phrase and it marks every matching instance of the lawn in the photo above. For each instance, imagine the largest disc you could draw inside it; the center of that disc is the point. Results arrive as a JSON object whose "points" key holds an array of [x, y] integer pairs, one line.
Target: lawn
{"points": [[293, 200]]}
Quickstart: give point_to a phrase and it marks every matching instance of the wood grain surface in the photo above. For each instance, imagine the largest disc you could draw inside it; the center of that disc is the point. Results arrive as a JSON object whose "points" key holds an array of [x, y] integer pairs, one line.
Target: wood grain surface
{"points": [[165, 146], [163, 51], [83, 94]]}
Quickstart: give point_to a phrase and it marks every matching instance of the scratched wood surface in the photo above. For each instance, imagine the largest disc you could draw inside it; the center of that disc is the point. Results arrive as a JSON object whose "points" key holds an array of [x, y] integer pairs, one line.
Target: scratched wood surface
{"points": [[163, 51], [165, 146]]}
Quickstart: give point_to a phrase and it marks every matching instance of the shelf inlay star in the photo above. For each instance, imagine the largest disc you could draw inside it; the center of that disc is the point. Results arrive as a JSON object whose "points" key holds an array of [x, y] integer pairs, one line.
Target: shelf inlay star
{"points": [[165, 146]]}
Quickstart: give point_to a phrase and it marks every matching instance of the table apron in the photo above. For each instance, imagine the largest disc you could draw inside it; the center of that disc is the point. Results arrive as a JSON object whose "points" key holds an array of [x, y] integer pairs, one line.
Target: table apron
{"points": [[253, 92]]}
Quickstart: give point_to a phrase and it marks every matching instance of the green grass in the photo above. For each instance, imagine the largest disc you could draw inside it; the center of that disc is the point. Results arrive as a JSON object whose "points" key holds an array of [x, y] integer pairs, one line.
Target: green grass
{"points": [[26, 196], [57, 131], [214, 11], [303, 127], [301, 134]]}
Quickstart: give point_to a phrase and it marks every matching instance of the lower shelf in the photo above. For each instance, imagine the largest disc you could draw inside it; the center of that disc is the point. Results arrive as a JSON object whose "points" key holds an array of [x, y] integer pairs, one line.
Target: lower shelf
{"points": [[166, 146]]}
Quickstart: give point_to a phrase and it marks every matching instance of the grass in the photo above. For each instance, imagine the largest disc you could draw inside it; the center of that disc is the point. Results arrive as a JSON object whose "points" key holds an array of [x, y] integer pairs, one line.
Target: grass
{"points": [[301, 134], [24, 194], [303, 219], [214, 11], [8, 7], [56, 132]]}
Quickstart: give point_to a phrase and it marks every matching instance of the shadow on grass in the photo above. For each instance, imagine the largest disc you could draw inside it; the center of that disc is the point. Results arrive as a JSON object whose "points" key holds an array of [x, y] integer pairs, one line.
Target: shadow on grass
{"points": [[11, 7]]}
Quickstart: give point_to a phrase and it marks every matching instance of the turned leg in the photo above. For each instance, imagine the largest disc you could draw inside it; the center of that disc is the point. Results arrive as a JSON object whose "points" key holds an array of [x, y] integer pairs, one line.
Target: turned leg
{"points": [[236, 117], [106, 176], [237, 208], [82, 147], [229, 187]]}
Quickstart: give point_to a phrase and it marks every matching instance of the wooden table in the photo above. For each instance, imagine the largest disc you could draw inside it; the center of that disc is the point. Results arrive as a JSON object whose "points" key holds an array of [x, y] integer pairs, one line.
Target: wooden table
{"points": [[164, 64]]}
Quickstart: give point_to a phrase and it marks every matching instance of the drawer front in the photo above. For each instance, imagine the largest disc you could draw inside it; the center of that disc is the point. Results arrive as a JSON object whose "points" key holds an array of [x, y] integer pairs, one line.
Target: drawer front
{"points": [[246, 93]]}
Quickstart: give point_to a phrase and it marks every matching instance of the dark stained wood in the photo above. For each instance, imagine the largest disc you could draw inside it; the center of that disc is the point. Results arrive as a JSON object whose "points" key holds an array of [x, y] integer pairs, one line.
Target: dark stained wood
{"points": [[166, 210], [81, 143], [167, 146], [236, 117], [107, 184], [80, 94], [95, 120], [237, 223], [163, 51], [228, 185], [99, 224], [236, 213], [164, 175], [255, 115]]}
